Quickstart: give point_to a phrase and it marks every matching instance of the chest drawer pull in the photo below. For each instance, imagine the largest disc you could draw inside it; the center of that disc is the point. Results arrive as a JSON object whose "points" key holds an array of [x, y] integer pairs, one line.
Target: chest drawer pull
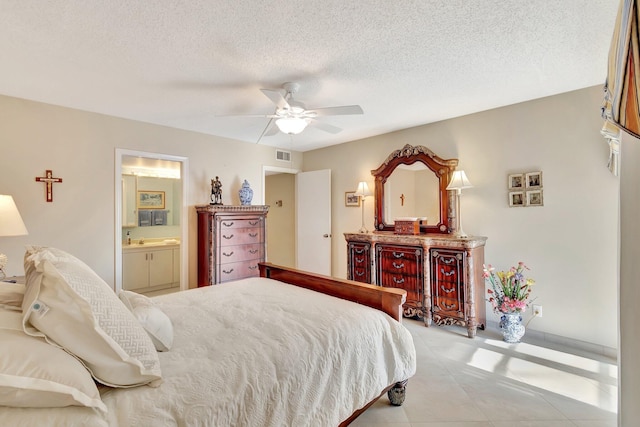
{"points": [[253, 251], [253, 234], [227, 224], [448, 291], [227, 254], [398, 266], [253, 267], [398, 254], [251, 223], [447, 273], [227, 271], [360, 273], [449, 306], [398, 281], [228, 237], [358, 251], [447, 260]]}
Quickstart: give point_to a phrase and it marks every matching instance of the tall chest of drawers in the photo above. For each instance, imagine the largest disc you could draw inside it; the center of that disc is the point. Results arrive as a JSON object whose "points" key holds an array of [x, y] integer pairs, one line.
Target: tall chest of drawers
{"points": [[231, 242], [442, 274]]}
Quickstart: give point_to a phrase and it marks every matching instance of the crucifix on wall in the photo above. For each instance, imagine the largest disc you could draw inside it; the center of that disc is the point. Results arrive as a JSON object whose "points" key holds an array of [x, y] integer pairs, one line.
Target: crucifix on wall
{"points": [[402, 199], [48, 179]]}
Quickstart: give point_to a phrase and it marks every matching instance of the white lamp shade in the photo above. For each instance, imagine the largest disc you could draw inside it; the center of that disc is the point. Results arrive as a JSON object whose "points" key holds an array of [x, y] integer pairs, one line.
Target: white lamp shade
{"points": [[10, 220], [459, 181], [363, 190], [291, 125]]}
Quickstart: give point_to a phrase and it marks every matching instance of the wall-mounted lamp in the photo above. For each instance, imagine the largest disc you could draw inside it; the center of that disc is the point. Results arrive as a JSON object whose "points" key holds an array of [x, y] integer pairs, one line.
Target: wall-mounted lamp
{"points": [[459, 181], [11, 224], [362, 192]]}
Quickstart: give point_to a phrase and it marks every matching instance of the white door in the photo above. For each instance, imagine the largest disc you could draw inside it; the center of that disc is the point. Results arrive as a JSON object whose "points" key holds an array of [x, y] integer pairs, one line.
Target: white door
{"points": [[313, 221]]}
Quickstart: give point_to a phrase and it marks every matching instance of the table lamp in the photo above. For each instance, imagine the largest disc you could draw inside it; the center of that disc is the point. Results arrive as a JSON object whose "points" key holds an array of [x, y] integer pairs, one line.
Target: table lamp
{"points": [[459, 181], [10, 225], [362, 192]]}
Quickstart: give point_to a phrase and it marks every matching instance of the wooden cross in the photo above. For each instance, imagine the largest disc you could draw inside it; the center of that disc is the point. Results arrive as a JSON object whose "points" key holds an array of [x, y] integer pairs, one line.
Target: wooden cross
{"points": [[48, 179], [402, 200]]}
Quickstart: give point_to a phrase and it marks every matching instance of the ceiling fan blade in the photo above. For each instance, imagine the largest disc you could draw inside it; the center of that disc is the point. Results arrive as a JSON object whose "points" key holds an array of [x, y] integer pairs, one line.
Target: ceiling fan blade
{"points": [[325, 126], [264, 116], [276, 97], [269, 130], [337, 111]]}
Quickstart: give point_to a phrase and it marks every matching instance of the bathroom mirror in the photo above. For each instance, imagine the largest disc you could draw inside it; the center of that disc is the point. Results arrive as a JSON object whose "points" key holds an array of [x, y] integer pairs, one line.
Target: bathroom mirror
{"points": [[412, 182]]}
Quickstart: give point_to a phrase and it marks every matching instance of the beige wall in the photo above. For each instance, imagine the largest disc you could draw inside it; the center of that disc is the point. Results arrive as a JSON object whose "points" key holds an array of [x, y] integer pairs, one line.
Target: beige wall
{"points": [[281, 225], [570, 243], [80, 148]]}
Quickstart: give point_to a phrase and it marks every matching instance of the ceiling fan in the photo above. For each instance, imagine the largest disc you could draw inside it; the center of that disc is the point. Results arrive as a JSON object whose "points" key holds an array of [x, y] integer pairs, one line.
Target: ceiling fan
{"points": [[292, 117]]}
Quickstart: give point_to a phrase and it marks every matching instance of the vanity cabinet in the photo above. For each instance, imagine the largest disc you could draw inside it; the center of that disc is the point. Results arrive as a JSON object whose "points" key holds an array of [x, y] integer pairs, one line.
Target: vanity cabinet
{"points": [[441, 273], [231, 242], [402, 267], [359, 261], [149, 268]]}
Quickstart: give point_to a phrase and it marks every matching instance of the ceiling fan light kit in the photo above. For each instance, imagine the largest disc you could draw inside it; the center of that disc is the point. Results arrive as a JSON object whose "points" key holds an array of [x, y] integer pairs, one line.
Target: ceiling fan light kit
{"points": [[291, 125]]}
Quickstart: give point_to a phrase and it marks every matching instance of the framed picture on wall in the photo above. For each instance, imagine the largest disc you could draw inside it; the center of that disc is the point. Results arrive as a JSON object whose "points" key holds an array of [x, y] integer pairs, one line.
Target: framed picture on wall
{"points": [[533, 179], [351, 200], [534, 198], [516, 181], [151, 199], [516, 199]]}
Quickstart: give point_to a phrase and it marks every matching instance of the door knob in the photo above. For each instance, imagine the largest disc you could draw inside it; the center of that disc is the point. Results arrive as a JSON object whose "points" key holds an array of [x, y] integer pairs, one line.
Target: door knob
{"points": [[326, 236]]}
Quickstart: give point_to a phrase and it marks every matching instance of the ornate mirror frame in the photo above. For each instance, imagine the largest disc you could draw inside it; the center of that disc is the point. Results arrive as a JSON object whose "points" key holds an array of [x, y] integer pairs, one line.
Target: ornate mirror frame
{"points": [[443, 169]]}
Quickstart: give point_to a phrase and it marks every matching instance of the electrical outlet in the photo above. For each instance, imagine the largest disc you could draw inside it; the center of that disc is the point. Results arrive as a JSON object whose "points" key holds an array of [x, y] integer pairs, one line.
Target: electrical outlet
{"points": [[537, 310]]}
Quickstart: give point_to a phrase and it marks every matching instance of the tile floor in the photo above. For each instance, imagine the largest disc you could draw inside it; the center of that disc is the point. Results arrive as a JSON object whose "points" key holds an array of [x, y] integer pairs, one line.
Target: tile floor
{"points": [[486, 382]]}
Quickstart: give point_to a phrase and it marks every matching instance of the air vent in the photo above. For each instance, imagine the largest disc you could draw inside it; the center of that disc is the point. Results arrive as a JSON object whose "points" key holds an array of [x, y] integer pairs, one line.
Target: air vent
{"points": [[284, 156]]}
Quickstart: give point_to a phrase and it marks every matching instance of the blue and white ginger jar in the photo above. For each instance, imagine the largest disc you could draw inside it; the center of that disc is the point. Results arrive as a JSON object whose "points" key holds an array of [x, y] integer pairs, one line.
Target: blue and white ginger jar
{"points": [[245, 193]]}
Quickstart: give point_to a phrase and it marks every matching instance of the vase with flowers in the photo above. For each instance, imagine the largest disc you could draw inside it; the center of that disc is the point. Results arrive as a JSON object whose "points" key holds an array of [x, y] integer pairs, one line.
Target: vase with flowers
{"points": [[509, 295]]}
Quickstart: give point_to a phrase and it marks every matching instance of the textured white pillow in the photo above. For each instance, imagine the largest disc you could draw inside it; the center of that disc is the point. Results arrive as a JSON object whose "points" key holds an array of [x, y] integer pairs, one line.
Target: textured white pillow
{"points": [[11, 295], [153, 320], [71, 306], [35, 374]]}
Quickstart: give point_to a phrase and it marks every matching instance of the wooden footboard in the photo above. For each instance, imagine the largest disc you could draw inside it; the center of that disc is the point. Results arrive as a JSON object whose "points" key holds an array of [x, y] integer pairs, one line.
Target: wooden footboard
{"points": [[388, 300]]}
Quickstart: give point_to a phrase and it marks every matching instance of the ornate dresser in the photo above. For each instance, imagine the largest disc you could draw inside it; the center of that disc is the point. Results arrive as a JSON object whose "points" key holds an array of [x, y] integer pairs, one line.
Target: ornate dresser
{"points": [[440, 269], [231, 242]]}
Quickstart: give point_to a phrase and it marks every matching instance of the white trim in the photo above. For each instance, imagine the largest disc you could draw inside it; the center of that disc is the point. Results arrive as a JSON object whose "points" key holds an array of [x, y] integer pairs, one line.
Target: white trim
{"points": [[184, 216]]}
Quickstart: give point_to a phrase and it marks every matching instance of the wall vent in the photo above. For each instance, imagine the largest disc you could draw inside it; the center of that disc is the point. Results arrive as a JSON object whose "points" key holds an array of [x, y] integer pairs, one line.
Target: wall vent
{"points": [[284, 156]]}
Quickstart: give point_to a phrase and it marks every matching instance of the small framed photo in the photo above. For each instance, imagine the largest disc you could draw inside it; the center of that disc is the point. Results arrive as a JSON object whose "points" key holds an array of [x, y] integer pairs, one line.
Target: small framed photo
{"points": [[151, 200], [534, 198], [351, 200], [533, 179], [516, 199], [516, 181]]}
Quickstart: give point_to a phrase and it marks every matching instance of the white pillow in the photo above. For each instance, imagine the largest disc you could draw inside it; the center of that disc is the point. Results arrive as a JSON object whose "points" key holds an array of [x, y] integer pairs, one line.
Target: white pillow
{"points": [[35, 374], [11, 295], [153, 320], [66, 302]]}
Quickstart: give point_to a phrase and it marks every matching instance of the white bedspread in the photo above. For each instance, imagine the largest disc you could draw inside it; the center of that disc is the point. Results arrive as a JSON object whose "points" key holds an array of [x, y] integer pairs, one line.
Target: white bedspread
{"points": [[241, 357]]}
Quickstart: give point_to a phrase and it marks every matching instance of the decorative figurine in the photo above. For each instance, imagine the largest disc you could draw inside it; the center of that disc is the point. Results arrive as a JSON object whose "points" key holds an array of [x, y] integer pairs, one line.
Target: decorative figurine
{"points": [[216, 192], [245, 194]]}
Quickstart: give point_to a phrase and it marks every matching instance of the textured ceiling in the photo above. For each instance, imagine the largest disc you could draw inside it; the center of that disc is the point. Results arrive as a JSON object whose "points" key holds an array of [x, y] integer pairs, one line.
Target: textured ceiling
{"points": [[182, 63]]}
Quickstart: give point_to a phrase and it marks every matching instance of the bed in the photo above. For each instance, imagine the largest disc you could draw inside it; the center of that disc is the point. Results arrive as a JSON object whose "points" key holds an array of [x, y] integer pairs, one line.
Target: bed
{"points": [[289, 348]]}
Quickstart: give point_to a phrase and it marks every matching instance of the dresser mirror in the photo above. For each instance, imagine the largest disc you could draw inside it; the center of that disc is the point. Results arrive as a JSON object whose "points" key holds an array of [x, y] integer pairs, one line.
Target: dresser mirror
{"points": [[412, 182]]}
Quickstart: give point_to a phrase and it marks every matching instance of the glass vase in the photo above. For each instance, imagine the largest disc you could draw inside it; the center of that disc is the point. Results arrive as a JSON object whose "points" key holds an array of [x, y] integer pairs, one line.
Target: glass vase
{"points": [[511, 327]]}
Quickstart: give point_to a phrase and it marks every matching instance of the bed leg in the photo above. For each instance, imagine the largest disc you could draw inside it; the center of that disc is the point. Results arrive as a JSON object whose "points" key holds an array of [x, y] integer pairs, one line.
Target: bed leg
{"points": [[397, 393]]}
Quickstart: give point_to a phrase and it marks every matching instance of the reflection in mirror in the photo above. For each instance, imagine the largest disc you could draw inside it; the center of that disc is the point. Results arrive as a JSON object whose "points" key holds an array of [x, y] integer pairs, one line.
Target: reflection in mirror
{"points": [[412, 191]]}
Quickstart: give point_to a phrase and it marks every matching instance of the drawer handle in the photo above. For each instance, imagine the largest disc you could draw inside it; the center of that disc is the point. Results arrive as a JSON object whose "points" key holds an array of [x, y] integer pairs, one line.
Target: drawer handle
{"points": [[398, 255], [360, 273], [253, 267], [227, 271], [253, 251], [253, 234], [358, 251], [227, 254], [448, 291], [447, 273], [227, 224], [254, 223], [228, 237], [398, 281], [398, 266], [359, 260], [448, 306], [447, 260]]}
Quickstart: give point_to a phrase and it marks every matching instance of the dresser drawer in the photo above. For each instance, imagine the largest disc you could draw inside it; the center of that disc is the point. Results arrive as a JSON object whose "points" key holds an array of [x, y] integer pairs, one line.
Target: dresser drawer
{"points": [[359, 262], [230, 222], [236, 253], [238, 270], [240, 236]]}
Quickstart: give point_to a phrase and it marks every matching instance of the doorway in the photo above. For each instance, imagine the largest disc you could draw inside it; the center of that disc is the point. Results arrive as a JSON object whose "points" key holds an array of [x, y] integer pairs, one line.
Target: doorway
{"points": [[150, 165], [279, 193]]}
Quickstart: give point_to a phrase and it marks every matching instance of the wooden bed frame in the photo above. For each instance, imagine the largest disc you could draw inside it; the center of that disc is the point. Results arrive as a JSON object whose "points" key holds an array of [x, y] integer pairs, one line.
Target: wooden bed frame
{"points": [[387, 300]]}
